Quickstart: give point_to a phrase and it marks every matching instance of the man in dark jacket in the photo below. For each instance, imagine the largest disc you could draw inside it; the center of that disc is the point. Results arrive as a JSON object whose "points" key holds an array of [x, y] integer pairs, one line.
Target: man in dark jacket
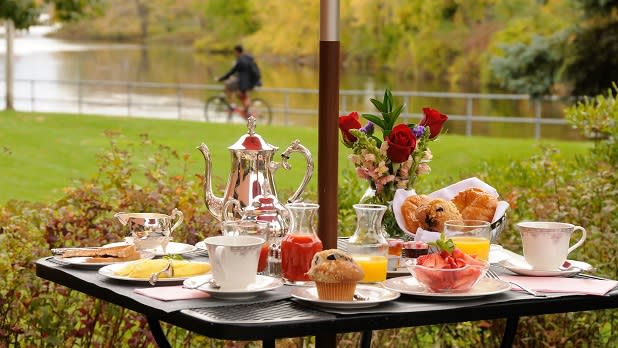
{"points": [[242, 78]]}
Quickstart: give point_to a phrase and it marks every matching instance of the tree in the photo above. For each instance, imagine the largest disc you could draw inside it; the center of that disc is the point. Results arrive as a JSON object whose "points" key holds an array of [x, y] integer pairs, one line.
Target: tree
{"points": [[22, 14], [581, 55], [531, 69], [591, 64]]}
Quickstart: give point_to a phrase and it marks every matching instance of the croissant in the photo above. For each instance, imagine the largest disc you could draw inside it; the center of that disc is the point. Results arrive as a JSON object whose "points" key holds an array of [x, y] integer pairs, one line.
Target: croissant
{"points": [[476, 204], [408, 210]]}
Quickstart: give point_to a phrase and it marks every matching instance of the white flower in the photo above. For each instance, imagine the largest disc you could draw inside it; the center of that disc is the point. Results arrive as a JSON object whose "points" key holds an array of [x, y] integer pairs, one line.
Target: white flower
{"points": [[423, 168]]}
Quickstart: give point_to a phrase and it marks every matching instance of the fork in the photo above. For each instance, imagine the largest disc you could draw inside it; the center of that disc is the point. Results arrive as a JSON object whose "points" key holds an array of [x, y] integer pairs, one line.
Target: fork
{"points": [[492, 274], [210, 281], [168, 269]]}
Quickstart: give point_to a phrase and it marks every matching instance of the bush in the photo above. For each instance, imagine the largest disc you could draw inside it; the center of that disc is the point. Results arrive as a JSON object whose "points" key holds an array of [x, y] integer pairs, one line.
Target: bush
{"points": [[34, 312]]}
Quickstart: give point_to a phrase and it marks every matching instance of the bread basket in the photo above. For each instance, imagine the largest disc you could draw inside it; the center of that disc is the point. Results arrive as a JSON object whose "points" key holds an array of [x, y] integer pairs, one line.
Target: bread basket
{"points": [[497, 224]]}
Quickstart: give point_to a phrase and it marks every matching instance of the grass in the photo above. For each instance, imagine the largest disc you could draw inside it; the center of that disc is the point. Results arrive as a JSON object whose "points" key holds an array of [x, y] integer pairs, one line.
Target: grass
{"points": [[42, 153]]}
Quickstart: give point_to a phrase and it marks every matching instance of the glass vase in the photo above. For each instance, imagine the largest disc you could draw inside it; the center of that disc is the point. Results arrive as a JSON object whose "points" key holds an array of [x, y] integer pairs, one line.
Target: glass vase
{"points": [[368, 245], [300, 243], [389, 222]]}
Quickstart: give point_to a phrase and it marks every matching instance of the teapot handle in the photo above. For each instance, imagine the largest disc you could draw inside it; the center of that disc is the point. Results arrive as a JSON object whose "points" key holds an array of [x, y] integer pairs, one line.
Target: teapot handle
{"points": [[181, 217], [235, 204], [297, 147]]}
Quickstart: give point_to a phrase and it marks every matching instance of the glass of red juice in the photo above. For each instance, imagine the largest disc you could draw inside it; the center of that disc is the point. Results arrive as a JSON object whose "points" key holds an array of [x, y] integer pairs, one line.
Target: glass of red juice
{"points": [[254, 228], [301, 242]]}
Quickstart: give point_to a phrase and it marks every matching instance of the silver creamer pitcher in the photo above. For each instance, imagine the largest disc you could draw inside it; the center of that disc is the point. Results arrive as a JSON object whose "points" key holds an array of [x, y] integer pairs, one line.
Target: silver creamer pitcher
{"points": [[251, 184], [150, 230]]}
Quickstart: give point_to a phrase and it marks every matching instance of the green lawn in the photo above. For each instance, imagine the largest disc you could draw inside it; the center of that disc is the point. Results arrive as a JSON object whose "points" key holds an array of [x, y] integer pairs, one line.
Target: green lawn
{"points": [[40, 154]]}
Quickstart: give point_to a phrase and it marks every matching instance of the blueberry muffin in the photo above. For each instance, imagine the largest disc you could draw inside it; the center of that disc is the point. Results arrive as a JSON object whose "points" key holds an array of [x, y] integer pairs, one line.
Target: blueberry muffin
{"points": [[335, 275], [434, 214]]}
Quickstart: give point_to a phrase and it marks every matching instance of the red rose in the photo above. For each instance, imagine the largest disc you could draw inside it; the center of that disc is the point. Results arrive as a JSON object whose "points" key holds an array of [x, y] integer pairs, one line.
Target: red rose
{"points": [[434, 119], [401, 143], [346, 123]]}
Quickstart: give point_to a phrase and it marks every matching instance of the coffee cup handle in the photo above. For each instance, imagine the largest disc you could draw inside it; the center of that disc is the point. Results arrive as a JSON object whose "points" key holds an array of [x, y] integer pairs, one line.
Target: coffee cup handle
{"points": [[181, 217], [219, 255], [580, 241]]}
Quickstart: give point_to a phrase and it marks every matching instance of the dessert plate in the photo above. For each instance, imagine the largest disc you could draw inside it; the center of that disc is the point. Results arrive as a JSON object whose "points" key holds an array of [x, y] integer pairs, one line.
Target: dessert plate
{"points": [[83, 261], [172, 248], [109, 271], [262, 284], [521, 267], [372, 296], [410, 286]]}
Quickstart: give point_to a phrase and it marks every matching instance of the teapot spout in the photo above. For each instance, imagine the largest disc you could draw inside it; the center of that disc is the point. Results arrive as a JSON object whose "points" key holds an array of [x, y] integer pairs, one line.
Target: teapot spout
{"points": [[213, 203], [122, 217]]}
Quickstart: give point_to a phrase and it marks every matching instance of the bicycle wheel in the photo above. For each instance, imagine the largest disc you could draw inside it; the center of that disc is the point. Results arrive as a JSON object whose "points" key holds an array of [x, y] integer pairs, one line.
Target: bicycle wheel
{"points": [[217, 109], [260, 109]]}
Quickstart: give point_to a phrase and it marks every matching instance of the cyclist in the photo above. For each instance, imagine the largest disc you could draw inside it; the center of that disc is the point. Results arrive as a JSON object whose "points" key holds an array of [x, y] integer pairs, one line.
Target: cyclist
{"points": [[243, 77]]}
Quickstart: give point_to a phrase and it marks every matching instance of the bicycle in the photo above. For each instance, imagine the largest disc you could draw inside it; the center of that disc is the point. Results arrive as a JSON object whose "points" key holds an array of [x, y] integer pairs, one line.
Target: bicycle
{"points": [[218, 106]]}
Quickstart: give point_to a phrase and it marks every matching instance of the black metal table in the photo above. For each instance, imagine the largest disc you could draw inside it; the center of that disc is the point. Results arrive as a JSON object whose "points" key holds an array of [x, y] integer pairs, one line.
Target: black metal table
{"points": [[283, 317]]}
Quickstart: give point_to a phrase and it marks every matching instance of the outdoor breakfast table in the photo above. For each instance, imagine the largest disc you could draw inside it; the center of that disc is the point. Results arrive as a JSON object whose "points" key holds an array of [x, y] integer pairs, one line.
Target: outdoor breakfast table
{"points": [[275, 314]]}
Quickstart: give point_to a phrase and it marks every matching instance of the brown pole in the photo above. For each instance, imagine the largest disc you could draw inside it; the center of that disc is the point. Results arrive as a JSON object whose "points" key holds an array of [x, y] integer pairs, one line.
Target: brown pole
{"points": [[328, 137], [328, 129]]}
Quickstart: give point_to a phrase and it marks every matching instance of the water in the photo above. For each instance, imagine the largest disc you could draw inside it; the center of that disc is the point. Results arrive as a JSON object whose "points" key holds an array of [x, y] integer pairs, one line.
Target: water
{"points": [[41, 58]]}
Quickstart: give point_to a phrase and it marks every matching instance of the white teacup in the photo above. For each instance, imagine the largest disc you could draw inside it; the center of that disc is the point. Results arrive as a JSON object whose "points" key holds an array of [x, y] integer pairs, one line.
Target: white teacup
{"points": [[234, 260], [546, 244]]}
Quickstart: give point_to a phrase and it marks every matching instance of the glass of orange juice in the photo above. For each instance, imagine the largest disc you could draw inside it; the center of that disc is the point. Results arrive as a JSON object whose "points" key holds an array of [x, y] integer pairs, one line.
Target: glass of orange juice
{"points": [[471, 236]]}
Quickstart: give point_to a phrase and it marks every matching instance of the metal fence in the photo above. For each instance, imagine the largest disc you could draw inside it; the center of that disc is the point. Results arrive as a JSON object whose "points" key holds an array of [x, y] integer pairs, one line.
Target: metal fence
{"points": [[290, 106]]}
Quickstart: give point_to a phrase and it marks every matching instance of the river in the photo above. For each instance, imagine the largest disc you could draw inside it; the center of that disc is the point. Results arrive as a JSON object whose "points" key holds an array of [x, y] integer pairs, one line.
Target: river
{"points": [[39, 58]]}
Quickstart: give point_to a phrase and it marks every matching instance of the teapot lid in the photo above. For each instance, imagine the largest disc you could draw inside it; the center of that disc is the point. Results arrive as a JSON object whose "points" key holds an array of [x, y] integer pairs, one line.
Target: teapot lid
{"points": [[252, 141]]}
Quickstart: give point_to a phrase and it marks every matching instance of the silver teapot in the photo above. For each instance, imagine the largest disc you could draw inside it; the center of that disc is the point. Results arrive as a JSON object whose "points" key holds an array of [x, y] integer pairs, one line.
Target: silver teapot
{"points": [[251, 187]]}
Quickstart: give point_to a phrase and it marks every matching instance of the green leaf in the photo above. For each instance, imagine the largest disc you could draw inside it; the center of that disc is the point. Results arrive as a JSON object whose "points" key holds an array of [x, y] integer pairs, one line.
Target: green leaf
{"points": [[378, 104], [388, 100], [378, 141], [444, 244], [375, 119], [393, 116]]}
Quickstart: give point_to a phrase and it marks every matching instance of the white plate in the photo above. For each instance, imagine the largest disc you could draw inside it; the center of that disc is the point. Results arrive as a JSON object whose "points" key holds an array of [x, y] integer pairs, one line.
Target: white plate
{"points": [[110, 272], [172, 248], [262, 284], [374, 294], [82, 261], [410, 286], [201, 246], [521, 267]]}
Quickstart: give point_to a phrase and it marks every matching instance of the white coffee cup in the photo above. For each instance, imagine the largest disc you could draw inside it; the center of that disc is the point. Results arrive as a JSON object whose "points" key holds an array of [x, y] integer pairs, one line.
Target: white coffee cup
{"points": [[546, 244], [234, 260]]}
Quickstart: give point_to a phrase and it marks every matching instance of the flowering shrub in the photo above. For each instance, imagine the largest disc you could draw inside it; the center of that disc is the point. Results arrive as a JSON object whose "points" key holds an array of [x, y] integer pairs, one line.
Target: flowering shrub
{"points": [[395, 158]]}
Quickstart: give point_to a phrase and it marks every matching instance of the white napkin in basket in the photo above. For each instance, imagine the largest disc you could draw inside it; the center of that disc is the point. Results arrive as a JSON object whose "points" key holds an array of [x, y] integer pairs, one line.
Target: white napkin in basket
{"points": [[445, 193]]}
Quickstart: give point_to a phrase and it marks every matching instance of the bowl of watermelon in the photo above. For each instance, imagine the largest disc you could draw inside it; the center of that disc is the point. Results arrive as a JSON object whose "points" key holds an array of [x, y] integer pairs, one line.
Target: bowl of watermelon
{"points": [[449, 270]]}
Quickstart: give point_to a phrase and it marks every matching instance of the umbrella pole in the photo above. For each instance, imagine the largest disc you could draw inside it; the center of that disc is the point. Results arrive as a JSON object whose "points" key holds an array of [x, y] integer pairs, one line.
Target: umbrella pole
{"points": [[328, 138]]}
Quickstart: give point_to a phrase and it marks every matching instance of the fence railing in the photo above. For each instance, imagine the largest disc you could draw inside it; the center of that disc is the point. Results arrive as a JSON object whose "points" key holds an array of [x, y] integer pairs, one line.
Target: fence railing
{"points": [[289, 105]]}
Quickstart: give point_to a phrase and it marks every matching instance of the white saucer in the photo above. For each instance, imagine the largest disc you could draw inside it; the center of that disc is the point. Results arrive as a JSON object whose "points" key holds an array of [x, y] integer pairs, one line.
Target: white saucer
{"points": [[82, 261], [374, 296], [410, 286], [521, 267], [172, 248], [262, 284], [110, 272]]}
